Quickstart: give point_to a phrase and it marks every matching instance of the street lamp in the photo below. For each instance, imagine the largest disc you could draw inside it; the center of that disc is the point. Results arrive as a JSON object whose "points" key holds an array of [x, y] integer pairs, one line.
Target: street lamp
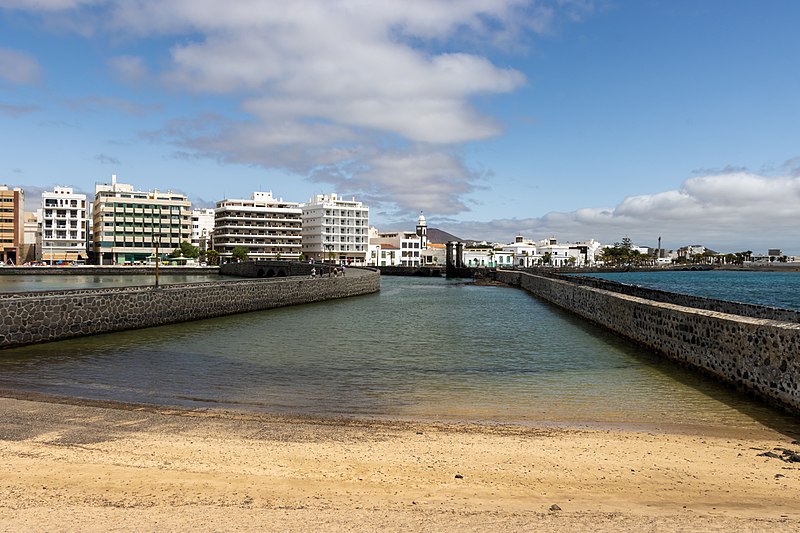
{"points": [[157, 241]]}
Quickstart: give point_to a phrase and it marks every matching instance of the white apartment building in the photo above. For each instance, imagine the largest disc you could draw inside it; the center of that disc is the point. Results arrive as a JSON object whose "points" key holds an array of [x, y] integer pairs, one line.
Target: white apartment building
{"points": [[524, 252], [130, 224], [335, 229], [64, 215], [202, 227], [268, 227]]}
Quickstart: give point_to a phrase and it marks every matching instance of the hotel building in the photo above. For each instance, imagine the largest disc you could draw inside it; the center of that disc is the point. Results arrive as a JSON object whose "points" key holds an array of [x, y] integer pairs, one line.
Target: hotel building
{"points": [[335, 229], [130, 224], [11, 223], [267, 227], [63, 226]]}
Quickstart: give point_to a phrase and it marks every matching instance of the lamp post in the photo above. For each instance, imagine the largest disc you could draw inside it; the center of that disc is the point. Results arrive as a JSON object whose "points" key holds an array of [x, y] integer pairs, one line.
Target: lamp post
{"points": [[156, 242]]}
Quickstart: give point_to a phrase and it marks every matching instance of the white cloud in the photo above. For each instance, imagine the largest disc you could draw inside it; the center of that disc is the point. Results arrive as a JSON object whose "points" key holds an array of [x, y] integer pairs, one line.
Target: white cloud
{"points": [[19, 67], [370, 95], [726, 212], [417, 179]]}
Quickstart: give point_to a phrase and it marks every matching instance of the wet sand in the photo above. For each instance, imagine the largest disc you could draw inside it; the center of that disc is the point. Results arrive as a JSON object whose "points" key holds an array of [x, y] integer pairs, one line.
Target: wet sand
{"points": [[95, 467]]}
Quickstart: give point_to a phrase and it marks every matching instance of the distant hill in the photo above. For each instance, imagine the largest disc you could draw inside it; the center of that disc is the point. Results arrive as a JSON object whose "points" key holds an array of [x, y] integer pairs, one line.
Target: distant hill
{"points": [[438, 236]]}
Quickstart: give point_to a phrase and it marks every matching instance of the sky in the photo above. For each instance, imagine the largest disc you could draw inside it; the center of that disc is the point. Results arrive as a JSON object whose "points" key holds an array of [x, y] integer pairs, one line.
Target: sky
{"points": [[573, 119]]}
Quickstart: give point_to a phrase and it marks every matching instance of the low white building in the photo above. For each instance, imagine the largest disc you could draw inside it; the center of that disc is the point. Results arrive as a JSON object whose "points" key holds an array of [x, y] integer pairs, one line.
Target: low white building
{"points": [[577, 254], [487, 256], [524, 252], [387, 255]]}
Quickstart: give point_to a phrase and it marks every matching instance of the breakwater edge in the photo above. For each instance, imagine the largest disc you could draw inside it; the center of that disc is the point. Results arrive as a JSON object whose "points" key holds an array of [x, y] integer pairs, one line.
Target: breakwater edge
{"points": [[754, 348]]}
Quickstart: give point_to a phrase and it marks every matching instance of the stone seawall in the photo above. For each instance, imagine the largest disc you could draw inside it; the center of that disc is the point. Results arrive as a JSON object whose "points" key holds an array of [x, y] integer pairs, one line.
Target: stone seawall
{"points": [[686, 300], [756, 354], [34, 317]]}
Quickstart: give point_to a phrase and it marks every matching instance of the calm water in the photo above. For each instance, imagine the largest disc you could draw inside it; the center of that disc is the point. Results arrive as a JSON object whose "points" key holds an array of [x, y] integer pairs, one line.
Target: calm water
{"points": [[423, 348], [44, 282], [776, 289]]}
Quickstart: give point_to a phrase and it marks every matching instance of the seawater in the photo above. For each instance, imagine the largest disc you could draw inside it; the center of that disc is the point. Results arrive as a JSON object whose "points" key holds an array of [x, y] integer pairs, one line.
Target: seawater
{"points": [[422, 348], [774, 289]]}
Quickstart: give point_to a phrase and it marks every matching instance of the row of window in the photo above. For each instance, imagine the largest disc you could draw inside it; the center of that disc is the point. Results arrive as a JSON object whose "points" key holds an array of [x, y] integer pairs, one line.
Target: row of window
{"points": [[60, 202]]}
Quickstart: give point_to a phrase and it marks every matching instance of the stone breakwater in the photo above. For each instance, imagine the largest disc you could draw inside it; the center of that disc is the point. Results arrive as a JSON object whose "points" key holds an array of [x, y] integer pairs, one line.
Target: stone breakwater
{"points": [[760, 355], [34, 317]]}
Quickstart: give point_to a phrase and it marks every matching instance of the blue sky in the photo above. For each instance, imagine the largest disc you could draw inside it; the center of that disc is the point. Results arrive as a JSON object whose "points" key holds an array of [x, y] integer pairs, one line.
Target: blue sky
{"points": [[575, 119]]}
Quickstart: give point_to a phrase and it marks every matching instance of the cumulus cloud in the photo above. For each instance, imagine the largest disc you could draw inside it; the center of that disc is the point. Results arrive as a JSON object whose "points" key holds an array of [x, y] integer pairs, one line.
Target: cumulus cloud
{"points": [[18, 67], [726, 212], [358, 94], [414, 179]]}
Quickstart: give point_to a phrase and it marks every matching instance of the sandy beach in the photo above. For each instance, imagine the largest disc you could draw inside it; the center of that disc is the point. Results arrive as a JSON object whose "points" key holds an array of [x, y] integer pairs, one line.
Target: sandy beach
{"points": [[90, 467]]}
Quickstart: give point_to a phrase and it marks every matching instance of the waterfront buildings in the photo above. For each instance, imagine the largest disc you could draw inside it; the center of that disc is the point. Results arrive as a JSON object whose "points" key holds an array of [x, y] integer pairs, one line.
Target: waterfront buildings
{"points": [[335, 229], [267, 227], [487, 256], [202, 227], [130, 225], [64, 226], [524, 252], [11, 223], [405, 248]]}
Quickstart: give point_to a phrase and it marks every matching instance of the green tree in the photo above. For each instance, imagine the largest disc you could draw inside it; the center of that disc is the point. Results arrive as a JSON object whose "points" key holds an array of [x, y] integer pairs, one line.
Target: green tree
{"points": [[547, 258], [212, 256], [186, 250], [239, 253]]}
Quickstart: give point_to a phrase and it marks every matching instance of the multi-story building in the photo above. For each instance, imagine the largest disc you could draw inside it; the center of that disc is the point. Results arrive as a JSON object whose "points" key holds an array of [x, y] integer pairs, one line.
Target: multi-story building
{"points": [[11, 223], [269, 228], [32, 240], [202, 227], [335, 229], [130, 225], [63, 226]]}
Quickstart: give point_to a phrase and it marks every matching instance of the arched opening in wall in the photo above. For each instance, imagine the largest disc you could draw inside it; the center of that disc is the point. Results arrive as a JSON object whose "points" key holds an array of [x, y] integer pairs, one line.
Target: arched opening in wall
{"points": [[270, 273], [281, 273], [260, 273]]}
